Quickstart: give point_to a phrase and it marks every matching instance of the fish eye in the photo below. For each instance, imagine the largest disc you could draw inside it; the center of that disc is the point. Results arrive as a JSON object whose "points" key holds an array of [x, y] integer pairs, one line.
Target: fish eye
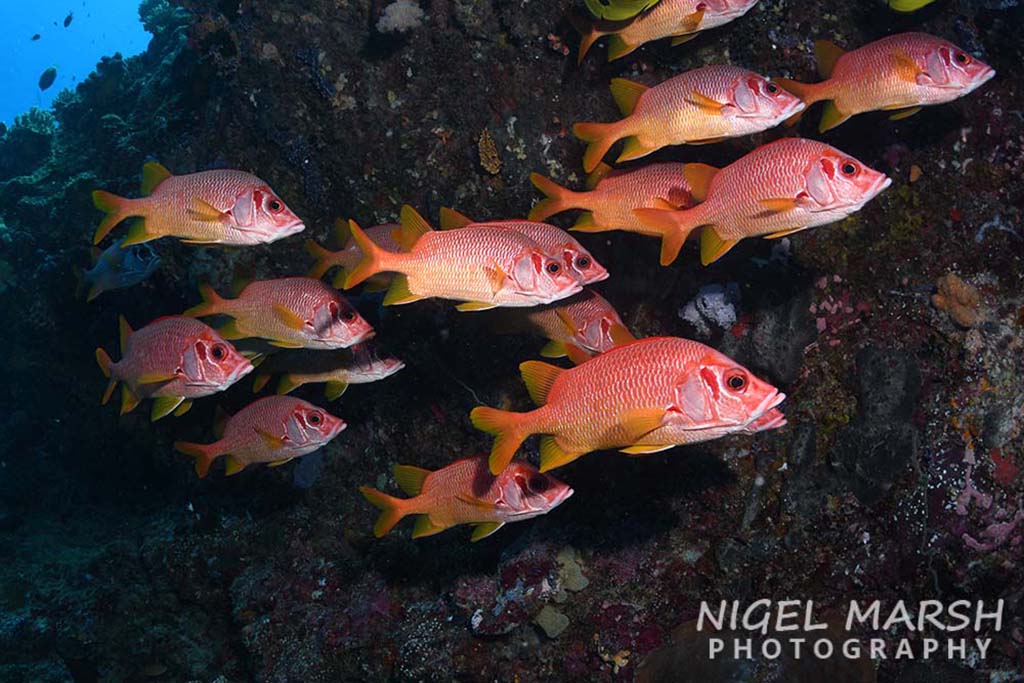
{"points": [[219, 352], [538, 484], [348, 315], [772, 88], [583, 262], [275, 206], [962, 58], [849, 168], [736, 381], [315, 419], [554, 267]]}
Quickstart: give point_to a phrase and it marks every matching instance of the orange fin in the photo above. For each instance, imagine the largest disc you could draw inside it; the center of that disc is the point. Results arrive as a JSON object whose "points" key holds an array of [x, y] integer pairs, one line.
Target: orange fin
{"points": [[373, 255], [506, 427], [783, 233], [399, 293], [212, 303], [325, 259], [469, 306], [155, 378], [425, 527], [632, 149], [552, 455], [597, 175], [557, 198], [202, 210], [713, 247], [390, 507], [204, 454], [599, 138], [831, 117], [116, 208], [475, 502], [906, 68], [673, 226], [705, 103], [539, 378], [587, 223], [554, 349], [627, 93], [618, 47], [778, 204], [691, 22], [698, 178], [642, 421], [288, 317], [273, 442], [576, 354], [103, 360], [129, 399], [826, 54], [620, 335], [450, 219]]}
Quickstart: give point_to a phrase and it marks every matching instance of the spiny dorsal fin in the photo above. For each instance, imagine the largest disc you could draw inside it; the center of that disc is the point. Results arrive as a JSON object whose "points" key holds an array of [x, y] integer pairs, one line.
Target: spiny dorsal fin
{"points": [[626, 94], [450, 219], [410, 479], [827, 53], [153, 173], [414, 226], [539, 377], [125, 331]]}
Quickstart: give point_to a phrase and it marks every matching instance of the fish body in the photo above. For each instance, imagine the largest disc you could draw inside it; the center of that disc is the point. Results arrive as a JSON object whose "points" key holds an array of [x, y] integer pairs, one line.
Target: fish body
{"points": [[697, 107], [484, 267], [361, 364], [778, 189], [465, 492], [679, 19], [643, 397], [900, 73], [579, 327], [291, 312], [47, 78], [116, 268], [173, 360], [271, 430], [556, 243], [210, 207], [350, 254]]}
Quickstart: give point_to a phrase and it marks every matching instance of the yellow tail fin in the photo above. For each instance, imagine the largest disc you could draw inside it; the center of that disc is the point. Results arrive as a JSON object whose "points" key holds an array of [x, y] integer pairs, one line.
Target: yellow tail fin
{"points": [[117, 209], [506, 427], [212, 303], [103, 359], [324, 259], [559, 199], [204, 454], [674, 226], [589, 34], [371, 263], [390, 507], [599, 138]]}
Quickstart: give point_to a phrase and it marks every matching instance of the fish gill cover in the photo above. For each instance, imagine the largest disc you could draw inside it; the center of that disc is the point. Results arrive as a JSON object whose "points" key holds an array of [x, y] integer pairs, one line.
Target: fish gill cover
{"points": [[895, 329]]}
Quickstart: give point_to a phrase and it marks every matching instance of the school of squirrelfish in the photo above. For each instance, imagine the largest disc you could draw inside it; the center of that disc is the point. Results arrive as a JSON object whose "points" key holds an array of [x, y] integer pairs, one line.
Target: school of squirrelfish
{"points": [[639, 396]]}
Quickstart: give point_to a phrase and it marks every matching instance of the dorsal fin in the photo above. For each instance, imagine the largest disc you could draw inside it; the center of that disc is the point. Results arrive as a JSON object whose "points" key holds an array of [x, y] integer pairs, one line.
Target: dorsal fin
{"points": [[626, 94], [698, 177], [220, 420], [125, 331], [342, 233], [241, 276], [450, 218], [153, 173], [827, 53], [539, 377], [410, 479], [414, 226]]}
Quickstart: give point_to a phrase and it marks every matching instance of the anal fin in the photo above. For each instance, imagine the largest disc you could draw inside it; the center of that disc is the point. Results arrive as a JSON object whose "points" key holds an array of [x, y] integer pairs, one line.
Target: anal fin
{"points": [[484, 529]]}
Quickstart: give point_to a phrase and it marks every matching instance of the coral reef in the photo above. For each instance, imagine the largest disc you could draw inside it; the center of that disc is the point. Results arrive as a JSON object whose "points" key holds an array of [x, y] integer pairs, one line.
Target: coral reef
{"points": [[898, 476]]}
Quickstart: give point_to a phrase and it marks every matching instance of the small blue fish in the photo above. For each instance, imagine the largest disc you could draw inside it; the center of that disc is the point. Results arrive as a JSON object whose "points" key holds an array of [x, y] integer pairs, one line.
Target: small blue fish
{"points": [[117, 268]]}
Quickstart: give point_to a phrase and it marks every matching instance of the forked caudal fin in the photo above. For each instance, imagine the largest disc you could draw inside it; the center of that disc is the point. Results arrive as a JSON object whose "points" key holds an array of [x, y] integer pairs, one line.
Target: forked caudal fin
{"points": [[372, 261], [674, 227], [390, 507], [558, 198], [324, 259], [599, 138], [103, 359], [505, 426], [117, 209], [212, 303], [204, 455]]}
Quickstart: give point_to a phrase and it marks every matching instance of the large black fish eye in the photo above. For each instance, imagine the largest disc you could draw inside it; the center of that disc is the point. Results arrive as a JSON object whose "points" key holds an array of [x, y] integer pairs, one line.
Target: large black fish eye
{"points": [[772, 88], [554, 267], [538, 484], [583, 262], [962, 58]]}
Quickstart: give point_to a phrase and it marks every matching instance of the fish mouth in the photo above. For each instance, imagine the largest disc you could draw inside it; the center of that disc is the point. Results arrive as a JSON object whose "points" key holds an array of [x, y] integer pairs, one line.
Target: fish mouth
{"points": [[769, 402], [794, 108], [603, 275], [981, 79], [240, 372], [879, 185]]}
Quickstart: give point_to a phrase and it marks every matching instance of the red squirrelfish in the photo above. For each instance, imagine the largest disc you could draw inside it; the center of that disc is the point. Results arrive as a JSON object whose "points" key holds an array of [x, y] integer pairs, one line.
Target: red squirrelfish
{"points": [[555, 242], [172, 360], [778, 189], [681, 20], [465, 492], [578, 327], [211, 207], [291, 312], [361, 364], [694, 108], [273, 430], [903, 73], [642, 398], [350, 255], [482, 266], [614, 194]]}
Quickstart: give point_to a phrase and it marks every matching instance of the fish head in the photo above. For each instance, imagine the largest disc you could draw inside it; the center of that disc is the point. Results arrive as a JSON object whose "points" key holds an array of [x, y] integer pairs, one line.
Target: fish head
{"points": [[717, 392], [373, 363], [307, 425], [581, 264], [602, 331], [755, 97], [139, 261], [725, 9], [948, 68], [337, 324], [539, 275], [261, 212], [834, 180], [772, 419], [524, 492], [211, 361]]}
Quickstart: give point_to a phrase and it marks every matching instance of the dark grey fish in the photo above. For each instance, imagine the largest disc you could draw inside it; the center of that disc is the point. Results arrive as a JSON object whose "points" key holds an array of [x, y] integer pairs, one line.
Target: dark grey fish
{"points": [[68, 18], [36, 37], [3, 129], [48, 77]]}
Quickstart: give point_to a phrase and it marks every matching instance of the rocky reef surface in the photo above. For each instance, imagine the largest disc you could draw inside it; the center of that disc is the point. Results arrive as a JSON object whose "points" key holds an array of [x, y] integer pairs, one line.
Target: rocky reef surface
{"points": [[898, 476]]}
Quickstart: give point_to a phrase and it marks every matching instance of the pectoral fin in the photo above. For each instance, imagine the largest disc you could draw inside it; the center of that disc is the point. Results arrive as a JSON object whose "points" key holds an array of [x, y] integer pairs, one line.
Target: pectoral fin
{"points": [[475, 502], [576, 354], [484, 530], [496, 277], [554, 349], [705, 103], [784, 233], [288, 317], [278, 463], [273, 442], [778, 204], [642, 421], [204, 211], [906, 68], [155, 377], [691, 22]]}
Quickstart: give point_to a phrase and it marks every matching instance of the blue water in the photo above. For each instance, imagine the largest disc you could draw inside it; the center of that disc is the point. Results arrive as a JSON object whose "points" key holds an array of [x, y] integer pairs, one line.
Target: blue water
{"points": [[98, 28]]}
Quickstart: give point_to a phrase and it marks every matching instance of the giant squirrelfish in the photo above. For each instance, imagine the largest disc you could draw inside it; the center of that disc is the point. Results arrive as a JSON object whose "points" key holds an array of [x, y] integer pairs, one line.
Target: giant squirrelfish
{"points": [[291, 312], [642, 398], [465, 492], [695, 108], [556, 243], [614, 194], [778, 189], [273, 430], [899, 73], [681, 20], [350, 254], [172, 360], [116, 268], [360, 364], [482, 266], [210, 207]]}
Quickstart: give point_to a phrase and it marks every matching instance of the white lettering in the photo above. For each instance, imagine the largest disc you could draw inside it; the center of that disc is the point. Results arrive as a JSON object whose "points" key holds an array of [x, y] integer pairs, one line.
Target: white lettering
{"points": [[878, 648], [855, 613], [766, 617], [809, 616], [715, 645], [823, 652], [851, 648], [899, 615], [775, 648], [958, 646], [705, 611], [926, 612], [903, 650], [785, 613], [930, 645], [997, 616], [962, 617], [748, 648], [982, 644]]}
